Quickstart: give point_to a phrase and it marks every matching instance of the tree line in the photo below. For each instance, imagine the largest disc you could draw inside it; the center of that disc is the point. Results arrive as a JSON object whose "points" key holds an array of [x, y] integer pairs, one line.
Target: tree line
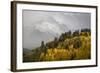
{"points": [[67, 41]]}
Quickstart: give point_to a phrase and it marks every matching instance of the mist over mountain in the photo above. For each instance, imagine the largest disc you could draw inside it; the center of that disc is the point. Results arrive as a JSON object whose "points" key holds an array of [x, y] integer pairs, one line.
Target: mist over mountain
{"points": [[45, 25]]}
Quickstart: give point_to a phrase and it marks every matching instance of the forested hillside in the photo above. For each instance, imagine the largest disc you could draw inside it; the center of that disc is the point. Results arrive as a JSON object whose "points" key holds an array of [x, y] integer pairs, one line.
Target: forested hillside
{"points": [[68, 46]]}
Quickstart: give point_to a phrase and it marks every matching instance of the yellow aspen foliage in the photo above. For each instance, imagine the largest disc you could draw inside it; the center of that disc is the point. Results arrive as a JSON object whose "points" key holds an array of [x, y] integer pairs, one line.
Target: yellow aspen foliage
{"points": [[62, 52]]}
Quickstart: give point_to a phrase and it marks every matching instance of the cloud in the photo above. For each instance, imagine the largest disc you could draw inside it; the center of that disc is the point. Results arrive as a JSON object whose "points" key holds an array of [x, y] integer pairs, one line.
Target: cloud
{"points": [[45, 25]]}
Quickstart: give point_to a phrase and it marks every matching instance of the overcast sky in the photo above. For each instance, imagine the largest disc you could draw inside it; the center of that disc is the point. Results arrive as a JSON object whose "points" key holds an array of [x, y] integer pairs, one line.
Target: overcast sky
{"points": [[45, 25]]}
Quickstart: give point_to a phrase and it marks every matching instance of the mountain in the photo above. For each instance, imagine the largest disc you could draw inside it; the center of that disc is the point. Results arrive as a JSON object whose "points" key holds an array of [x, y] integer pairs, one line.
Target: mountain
{"points": [[68, 46], [26, 51]]}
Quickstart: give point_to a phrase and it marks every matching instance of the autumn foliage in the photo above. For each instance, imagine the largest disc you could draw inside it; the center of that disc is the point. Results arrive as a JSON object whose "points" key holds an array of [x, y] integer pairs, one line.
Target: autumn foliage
{"points": [[69, 46]]}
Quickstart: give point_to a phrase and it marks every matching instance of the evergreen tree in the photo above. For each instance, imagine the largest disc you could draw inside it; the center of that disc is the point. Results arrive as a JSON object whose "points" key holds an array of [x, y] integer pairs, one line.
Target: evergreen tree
{"points": [[55, 42], [42, 44], [76, 33]]}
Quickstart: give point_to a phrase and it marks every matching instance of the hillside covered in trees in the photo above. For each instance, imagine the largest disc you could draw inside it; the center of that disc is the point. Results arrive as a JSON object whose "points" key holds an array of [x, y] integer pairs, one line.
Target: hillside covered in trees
{"points": [[68, 46]]}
